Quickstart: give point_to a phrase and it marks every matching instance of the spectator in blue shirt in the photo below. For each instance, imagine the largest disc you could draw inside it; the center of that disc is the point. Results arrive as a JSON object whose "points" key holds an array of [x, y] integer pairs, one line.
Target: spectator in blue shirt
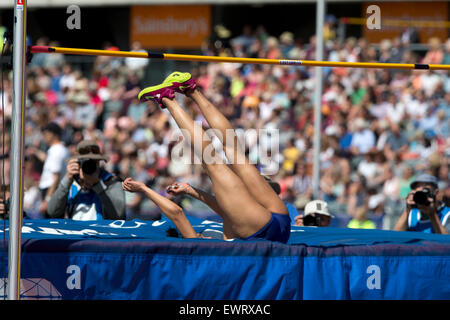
{"points": [[345, 139], [396, 142], [363, 139]]}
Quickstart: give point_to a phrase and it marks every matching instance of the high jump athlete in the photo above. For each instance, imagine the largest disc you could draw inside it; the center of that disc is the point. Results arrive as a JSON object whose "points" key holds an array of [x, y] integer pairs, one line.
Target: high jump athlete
{"points": [[249, 207]]}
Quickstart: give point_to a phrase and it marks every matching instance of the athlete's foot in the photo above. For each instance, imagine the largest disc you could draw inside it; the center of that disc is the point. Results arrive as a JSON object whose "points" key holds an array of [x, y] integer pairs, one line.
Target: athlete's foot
{"points": [[181, 82], [190, 92], [157, 93]]}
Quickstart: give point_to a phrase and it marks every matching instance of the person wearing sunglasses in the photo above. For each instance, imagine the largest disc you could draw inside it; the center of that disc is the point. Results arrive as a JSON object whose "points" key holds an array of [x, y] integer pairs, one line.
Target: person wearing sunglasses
{"points": [[88, 191]]}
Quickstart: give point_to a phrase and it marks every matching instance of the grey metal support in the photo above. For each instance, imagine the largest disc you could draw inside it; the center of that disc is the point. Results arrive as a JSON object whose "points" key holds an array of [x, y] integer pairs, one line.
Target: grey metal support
{"points": [[17, 149], [320, 18]]}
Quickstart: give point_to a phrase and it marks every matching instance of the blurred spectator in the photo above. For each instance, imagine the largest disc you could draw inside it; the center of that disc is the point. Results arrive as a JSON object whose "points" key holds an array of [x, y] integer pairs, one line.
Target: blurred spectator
{"points": [[272, 49], [447, 52], [301, 184], [405, 181], [333, 188], [363, 138], [380, 128], [54, 163], [392, 203], [242, 43], [410, 35], [435, 55], [329, 32], [4, 202], [137, 65], [361, 221], [357, 195], [290, 155], [396, 142], [286, 43]]}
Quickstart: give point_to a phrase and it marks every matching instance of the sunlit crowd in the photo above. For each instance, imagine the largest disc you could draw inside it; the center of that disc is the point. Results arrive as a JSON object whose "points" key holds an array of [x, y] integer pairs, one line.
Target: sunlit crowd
{"points": [[380, 127]]}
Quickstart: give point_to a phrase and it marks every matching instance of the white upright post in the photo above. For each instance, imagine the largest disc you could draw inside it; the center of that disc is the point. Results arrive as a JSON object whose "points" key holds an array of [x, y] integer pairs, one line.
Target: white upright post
{"points": [[320, 17], [17, 156]]}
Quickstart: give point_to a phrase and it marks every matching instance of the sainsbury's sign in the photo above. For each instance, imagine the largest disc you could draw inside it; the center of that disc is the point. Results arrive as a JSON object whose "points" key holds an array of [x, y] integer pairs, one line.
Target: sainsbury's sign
{"points": [[178, 27]]}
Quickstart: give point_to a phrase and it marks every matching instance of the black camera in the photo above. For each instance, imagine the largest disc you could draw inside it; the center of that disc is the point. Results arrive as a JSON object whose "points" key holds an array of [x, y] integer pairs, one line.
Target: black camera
{"points": [[311, 220], [88, 165], [421, 197]]}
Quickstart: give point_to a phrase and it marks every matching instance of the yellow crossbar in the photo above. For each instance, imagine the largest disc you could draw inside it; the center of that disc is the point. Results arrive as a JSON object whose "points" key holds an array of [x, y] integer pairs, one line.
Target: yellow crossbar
{"points": [[186, 57]]}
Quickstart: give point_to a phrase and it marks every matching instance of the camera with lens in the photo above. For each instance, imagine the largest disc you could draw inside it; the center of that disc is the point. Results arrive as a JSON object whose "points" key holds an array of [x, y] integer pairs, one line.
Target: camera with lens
{"points": [[421, 197], [311, 221], [88, 165]]}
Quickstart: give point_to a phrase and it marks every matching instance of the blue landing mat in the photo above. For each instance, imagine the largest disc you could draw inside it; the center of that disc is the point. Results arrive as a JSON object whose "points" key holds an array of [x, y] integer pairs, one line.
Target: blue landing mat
{"points": [[64, 259]]}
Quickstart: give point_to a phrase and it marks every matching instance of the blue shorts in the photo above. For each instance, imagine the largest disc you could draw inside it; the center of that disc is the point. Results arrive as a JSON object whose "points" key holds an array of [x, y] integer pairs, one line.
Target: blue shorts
{"points": [[277, 229]]}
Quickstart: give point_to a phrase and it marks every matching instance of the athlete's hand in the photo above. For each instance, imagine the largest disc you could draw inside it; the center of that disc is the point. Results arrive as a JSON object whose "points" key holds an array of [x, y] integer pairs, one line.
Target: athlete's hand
{"points": [[133, 186], [299, 220], [179, 188]]}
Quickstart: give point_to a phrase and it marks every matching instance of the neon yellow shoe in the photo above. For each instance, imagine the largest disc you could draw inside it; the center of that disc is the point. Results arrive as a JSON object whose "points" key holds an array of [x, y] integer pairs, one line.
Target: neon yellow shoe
{"points": [[181, 81], [156, 93]]}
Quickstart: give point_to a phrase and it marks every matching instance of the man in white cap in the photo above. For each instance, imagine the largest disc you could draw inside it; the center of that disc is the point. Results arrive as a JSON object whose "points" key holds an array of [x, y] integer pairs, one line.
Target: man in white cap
{"points": [[316, 214]]}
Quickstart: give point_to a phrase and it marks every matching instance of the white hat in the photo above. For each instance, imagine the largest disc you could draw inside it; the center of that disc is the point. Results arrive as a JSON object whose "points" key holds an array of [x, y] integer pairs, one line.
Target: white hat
{"points": [[360, 123], [332, 130], [317, 206], [287, 37]]}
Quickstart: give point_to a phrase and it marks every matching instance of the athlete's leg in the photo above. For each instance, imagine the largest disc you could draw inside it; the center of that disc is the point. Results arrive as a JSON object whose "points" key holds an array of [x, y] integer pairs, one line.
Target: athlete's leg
{"points": [[255, 183], [242, 215]]}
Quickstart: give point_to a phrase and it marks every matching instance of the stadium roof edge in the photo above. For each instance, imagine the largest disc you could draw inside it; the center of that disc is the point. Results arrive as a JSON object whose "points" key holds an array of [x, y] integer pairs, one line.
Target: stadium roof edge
{"points": [[109, 3]]}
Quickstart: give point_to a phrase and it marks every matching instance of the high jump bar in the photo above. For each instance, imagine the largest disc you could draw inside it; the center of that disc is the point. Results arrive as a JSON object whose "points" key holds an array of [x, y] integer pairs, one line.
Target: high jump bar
{"points": [[186, 57]]}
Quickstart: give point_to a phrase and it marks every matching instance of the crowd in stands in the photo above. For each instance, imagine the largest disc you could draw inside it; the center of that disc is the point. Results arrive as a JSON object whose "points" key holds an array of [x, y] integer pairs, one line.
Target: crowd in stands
{"points": [[380, 127]]}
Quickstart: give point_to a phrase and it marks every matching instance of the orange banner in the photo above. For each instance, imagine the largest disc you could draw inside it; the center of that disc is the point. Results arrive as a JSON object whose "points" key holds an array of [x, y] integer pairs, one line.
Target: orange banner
{"points": [[421, 13], [174, 27]]}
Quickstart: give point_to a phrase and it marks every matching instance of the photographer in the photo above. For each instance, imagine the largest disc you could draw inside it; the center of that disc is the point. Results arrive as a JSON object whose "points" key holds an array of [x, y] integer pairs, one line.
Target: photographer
{"points": [[87, 191], [316, 215], [424, 213]]}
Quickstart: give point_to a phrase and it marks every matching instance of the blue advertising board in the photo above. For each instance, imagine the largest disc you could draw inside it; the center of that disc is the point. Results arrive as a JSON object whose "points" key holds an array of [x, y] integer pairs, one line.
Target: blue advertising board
{"points": [[138, 260]]}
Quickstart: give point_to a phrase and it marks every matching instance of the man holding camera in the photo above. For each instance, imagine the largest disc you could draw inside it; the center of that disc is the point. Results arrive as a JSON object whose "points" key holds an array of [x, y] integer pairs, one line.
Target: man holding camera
{"points": [[87, 191], [424, 213], [316, 215]]}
